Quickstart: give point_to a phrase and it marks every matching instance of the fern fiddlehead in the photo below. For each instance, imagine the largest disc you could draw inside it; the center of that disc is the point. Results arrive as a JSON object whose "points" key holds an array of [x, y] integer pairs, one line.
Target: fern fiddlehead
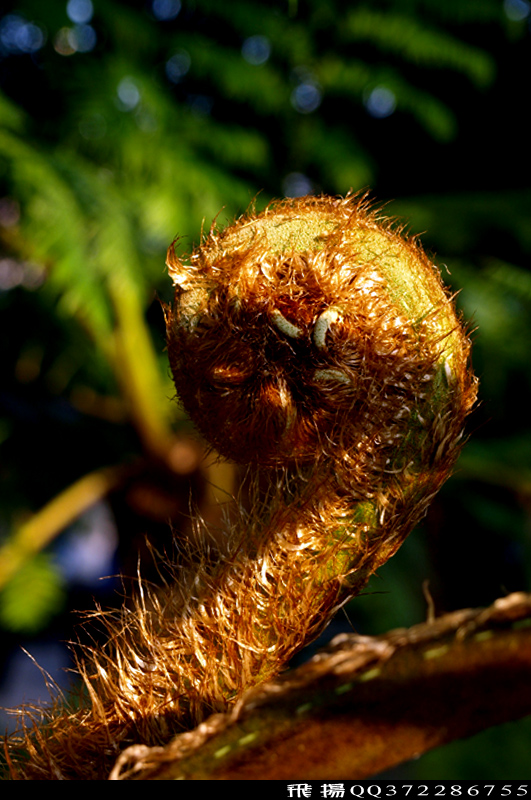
{"points": [[317, 345]]}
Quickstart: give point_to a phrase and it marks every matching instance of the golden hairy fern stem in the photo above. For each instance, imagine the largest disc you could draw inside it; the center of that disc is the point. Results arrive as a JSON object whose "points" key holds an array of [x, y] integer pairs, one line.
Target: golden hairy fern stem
{"points": [[376, 701], [316, 345]]}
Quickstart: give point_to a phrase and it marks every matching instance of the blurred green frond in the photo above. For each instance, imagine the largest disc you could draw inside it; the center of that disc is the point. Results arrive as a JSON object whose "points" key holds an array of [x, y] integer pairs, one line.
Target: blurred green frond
{"points": [[455, 11], [505, 462], [343, 164], [78, 225], [11, 117], [233, 77], [359, 79], [471, 234], [510, 278], [467, 221], [33, 595], [54, 231], [419, 43]]}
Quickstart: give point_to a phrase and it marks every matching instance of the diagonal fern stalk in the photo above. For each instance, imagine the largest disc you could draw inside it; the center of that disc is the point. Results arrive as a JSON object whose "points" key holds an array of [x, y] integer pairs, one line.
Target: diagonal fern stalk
{"points": [[317, 345]]}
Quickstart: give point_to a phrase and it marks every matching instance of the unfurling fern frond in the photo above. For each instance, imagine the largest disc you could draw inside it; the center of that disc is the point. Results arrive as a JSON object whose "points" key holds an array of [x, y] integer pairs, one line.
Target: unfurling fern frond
{"points": [[317, 345]]}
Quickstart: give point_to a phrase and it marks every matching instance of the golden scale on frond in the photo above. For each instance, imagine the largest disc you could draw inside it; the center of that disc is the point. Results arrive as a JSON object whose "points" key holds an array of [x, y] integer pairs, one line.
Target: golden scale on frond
{"points": [[316, 344]]}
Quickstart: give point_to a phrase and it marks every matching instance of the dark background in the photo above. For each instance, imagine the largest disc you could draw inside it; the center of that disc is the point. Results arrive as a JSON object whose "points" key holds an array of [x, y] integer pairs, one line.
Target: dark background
{"points": [[123, 125]]}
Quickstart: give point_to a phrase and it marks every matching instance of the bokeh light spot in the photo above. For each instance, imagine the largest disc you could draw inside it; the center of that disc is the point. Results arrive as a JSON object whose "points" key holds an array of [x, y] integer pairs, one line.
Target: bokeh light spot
{"points": [[256, 50], [17, 35], [79, 39], [517, 10], [306, 97], [296, 184], [11, 274], [177, 66], [61, 43], [128, 94], [165, 9], [380, 102], [79, 11], [86, 550], [9, 212], [84, 37], [19, 273]]}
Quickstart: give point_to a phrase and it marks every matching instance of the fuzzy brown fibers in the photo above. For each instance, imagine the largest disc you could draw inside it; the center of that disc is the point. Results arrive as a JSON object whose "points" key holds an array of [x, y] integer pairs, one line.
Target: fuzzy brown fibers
{"points": [[317, 345]]}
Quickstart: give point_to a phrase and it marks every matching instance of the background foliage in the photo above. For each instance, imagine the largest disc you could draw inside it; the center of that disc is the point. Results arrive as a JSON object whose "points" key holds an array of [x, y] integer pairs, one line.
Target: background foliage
{"points": [[125, 124]]}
